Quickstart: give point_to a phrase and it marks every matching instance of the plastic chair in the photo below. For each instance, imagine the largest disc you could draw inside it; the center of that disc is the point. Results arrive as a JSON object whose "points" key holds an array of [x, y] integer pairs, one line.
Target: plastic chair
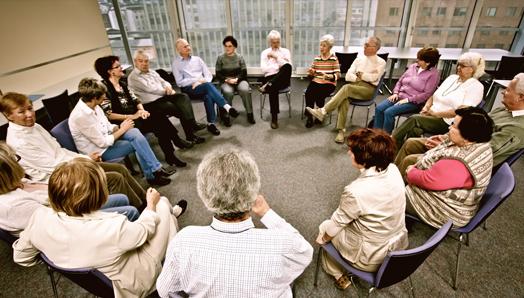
{"points": [[508, 67], [58, 108], [90, 279], [286, 91], [499, 189], [345, 60], [366, 103], [397, 266]]}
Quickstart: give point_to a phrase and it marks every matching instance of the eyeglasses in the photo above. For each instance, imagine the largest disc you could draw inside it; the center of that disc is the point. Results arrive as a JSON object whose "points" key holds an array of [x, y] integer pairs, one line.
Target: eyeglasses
{"points": [[367, 45], [115, 67], [462, 65]]}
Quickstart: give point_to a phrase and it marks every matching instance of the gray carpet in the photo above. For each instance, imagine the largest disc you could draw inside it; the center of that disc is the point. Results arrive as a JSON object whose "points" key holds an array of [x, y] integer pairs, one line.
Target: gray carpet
{"points": [[303, 173]]}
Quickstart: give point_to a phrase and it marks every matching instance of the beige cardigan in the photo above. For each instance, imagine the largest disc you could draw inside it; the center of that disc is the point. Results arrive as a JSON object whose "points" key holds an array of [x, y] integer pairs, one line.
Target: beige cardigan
{"points": [[369, 222], [106, 241]]}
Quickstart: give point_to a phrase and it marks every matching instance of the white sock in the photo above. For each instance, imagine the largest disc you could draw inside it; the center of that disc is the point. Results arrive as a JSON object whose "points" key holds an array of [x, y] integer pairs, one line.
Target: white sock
{"points": [[227, 107], [176, 210]]}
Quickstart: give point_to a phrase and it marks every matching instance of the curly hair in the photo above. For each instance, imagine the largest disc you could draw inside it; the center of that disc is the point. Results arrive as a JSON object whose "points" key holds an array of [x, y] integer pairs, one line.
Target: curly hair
{"points": [[372, 148]]}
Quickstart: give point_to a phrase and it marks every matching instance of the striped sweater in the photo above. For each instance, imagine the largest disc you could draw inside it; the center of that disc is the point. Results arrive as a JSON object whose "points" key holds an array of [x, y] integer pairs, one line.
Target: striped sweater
{"points": [[459, 205], [329, 66]]}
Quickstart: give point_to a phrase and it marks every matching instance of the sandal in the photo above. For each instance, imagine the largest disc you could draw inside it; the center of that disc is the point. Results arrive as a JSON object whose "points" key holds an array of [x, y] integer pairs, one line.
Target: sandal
{"points": [[343, 282]]}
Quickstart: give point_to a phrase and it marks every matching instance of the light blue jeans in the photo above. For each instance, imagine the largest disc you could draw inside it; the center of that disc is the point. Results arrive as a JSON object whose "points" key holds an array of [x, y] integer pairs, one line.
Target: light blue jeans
{"points": [[120, 204], [386, 112], [134, 141]]}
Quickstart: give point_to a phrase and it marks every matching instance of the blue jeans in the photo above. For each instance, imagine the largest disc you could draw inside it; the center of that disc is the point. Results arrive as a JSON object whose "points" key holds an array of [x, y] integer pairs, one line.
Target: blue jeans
{"points": [[120, 204], [211, 96], [386, 112], [134, 141]]}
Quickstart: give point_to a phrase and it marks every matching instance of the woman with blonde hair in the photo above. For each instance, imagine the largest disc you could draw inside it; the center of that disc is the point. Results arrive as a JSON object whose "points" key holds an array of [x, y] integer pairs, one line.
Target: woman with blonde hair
{"points": [[74, 234]]}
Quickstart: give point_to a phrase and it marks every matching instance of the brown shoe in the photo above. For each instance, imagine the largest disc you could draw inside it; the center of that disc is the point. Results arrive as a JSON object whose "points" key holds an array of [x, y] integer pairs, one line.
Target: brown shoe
{"points": [[343, 282]]}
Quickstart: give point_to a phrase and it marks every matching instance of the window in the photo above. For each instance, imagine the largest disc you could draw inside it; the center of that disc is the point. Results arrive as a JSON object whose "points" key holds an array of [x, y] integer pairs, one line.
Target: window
{"points": [[441, 11], [460, 11], [436, 32], [491, 11], [511, 11], [485, 33], [452, 45], [481, 46], [426, 11], [504, 33], [393, 11], [499, 46]]}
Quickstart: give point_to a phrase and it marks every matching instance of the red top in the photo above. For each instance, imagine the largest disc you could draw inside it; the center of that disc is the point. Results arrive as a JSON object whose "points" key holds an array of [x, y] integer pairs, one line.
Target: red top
{"points": [[443, 175]]}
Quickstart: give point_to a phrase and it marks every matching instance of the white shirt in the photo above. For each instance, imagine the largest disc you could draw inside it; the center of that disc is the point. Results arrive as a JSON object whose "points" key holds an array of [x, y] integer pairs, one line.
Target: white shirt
{"points": [[17, 206], [40, 153], [90, 128], [452, 94], [235, 260], [148, 86], [271, 66], [371, 67]]}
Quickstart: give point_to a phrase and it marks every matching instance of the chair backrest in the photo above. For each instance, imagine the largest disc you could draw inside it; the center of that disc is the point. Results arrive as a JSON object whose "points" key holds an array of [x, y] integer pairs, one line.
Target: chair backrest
{"points": [[345, 60], [62, 133], [58, 108], [398, 265], [168, 76], [384, 56], [509, 67], [92, 280], [500, 187], [7, 237]]}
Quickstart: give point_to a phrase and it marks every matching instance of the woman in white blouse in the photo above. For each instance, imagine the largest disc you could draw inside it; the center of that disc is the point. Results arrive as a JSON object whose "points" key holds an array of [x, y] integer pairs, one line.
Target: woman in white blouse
{"points": [[461, 89]]}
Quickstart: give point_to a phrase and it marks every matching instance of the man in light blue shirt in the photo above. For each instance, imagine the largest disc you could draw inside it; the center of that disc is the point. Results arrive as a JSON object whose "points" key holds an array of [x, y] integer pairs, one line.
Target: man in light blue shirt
{"points": [[193, 77]]}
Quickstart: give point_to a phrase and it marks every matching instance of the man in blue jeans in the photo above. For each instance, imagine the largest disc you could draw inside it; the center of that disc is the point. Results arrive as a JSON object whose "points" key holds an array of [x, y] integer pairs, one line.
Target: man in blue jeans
{"points": [[193, 77], [92, 132]]}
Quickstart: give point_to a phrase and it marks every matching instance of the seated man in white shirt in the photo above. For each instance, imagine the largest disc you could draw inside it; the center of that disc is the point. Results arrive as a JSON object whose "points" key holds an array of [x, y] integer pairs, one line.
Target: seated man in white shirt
{"points": [[232, 258], [157, 95], [363, 77], [40, 153], [193, 77], [92, 132]]}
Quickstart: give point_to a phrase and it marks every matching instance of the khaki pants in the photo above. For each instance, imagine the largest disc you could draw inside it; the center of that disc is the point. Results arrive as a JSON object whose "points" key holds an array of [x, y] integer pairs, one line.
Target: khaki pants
{"points": [[409, 153], [359, 90]]}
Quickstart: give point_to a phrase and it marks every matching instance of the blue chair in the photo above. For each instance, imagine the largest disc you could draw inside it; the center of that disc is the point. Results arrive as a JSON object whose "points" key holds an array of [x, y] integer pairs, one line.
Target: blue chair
{"points": [[499, 189], [513, 158], [90, 279], [58, 107], [366, 103], [286, 91], [397, 266]]}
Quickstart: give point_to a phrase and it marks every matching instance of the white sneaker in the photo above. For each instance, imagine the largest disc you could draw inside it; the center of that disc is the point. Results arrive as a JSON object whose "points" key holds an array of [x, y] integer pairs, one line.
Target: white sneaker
{"points": [[340, 137], [317, 113]]}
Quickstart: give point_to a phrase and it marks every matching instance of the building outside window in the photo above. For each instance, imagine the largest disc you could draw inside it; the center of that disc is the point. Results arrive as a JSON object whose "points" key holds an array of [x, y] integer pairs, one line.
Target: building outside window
{"points": [[441, 11], [491, 11]]}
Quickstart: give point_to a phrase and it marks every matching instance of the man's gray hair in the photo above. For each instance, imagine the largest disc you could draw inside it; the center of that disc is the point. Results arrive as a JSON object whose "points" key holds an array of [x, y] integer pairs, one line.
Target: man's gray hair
{"points": [[90, 89], [228, 181], [328, 39], [377, 41], [475, 60], [519, 87], [140, 52], [273, 34], [178, 41]]}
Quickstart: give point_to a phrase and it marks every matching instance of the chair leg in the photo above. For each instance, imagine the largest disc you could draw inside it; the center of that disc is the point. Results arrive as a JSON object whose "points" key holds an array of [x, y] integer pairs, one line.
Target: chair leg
{"points": [[288, 95], [457, 265], [303, 106], [485, 225], [262, 100], [53, 282], [315, 283], [351, 118], [411, 286], [367, 117]]}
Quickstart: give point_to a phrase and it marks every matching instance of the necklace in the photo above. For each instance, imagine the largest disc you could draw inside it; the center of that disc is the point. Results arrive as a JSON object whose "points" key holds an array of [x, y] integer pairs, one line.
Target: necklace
{"points": [[455, 85]]}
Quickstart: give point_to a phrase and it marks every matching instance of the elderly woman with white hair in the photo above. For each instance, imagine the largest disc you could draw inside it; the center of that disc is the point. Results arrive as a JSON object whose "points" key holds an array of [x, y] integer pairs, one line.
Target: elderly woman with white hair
{"points": [[231, 257], [276, 66], [458, 90], [325, 72]]}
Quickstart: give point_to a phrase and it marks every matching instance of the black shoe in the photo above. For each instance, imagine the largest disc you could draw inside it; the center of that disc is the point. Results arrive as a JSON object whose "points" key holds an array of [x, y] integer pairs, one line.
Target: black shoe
{"points": [[226, 120], [183, 144], [176, 161], [199, 126], [318, 121], [183, 205], [250, 118], [213, 129], [196, 139], [159, 180], [233, 112], [309, 122], [166, 171]]}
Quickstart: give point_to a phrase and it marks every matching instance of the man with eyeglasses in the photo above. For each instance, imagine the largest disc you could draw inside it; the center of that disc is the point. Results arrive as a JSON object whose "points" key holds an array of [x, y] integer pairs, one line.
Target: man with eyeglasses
{"points": [[363, 77], [507, 137]]}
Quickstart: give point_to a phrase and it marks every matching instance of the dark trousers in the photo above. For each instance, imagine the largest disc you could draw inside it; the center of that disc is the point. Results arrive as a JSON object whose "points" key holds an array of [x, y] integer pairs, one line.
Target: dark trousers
{"points": [[178, 105], [316, 94], [276, 82], [164, 130], [119, 180]]}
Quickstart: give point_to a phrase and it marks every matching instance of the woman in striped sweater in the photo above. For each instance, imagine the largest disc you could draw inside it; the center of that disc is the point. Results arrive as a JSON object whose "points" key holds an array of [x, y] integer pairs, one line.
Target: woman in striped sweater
{"points": [[325, 72]]}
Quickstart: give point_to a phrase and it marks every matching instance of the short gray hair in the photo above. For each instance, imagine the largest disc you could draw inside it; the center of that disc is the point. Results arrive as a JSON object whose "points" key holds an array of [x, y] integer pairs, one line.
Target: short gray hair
{"points": [[273, 34], [140, 52], [328, 39], [178, 41], [377, 41], [228, 181], [519, 87], [476, 61], [90, 89]]}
